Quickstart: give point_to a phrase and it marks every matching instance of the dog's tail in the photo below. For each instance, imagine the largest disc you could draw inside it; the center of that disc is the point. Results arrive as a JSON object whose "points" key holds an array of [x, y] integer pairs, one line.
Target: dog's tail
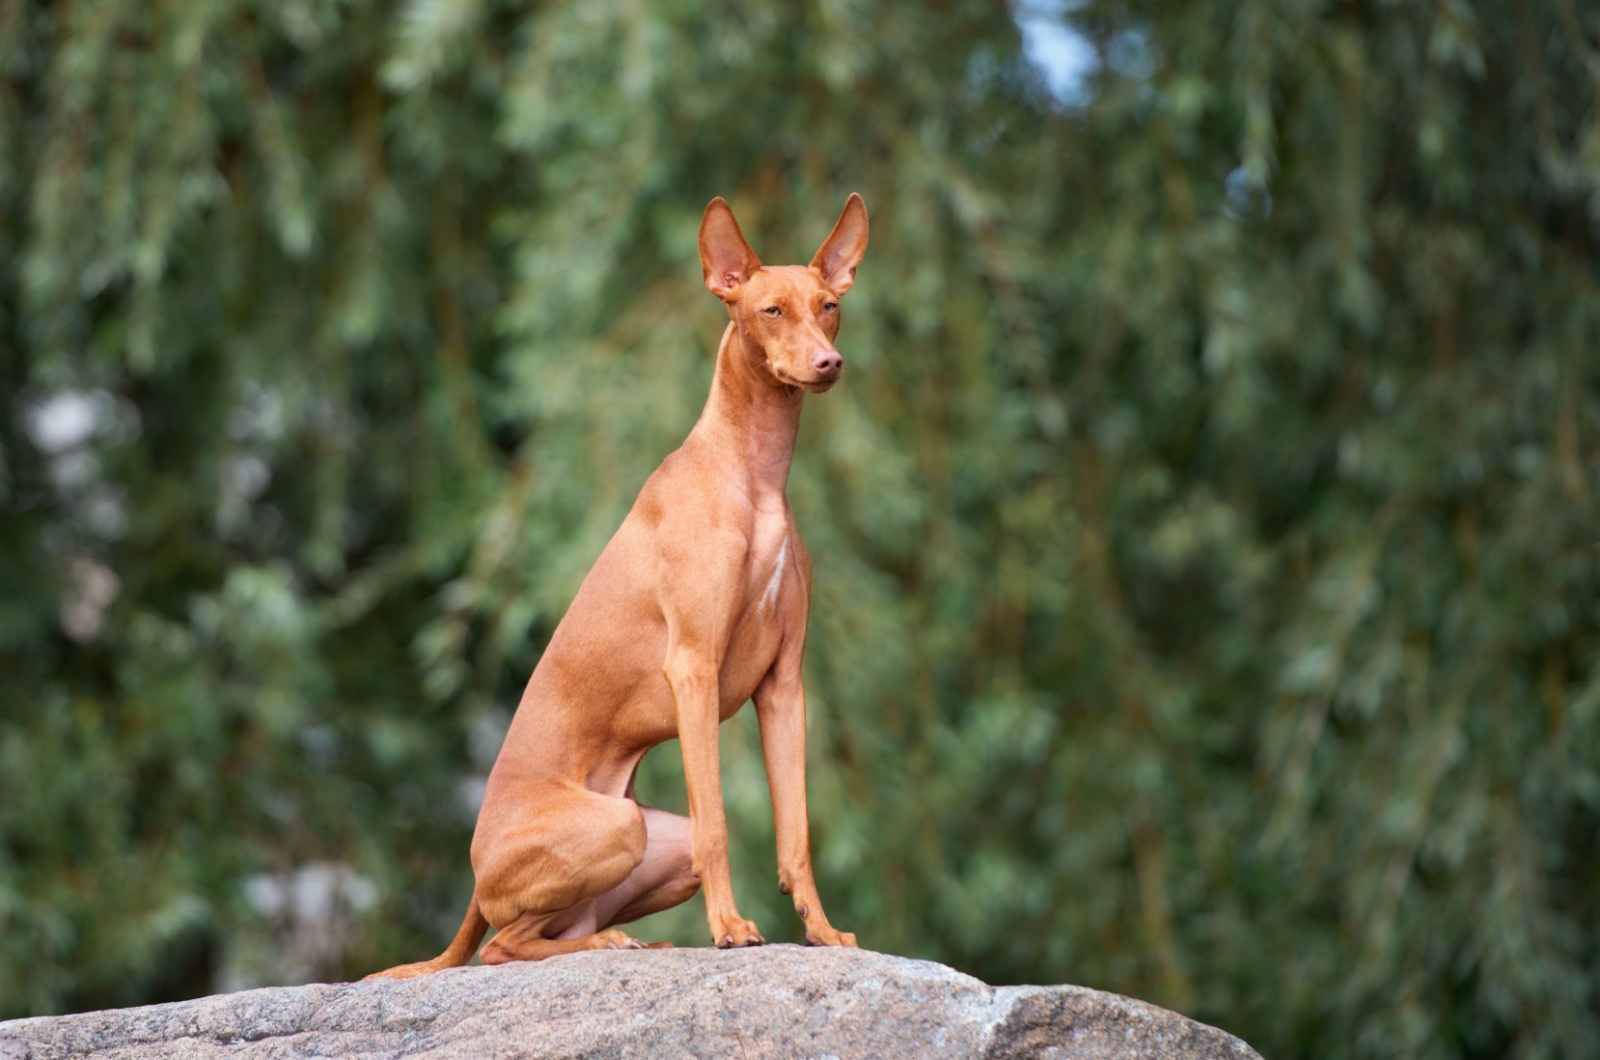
{"points": [[460, 951]]}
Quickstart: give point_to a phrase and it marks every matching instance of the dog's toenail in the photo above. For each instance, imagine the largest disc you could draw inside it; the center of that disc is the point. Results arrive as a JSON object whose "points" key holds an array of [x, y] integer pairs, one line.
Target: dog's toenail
{"points": [[804, 911]]}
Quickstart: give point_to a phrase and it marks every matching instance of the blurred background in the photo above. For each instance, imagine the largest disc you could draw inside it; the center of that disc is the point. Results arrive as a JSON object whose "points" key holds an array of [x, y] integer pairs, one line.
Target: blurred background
{"points": [[1206, 532]]}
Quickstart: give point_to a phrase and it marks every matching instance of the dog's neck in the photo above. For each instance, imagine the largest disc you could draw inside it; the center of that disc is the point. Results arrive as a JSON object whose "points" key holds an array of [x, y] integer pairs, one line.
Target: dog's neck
{"points": [[750, 417]]}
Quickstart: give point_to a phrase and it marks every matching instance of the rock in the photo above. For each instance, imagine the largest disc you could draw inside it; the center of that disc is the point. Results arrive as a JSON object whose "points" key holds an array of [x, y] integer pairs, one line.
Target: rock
{"points": [[781, 1001]]}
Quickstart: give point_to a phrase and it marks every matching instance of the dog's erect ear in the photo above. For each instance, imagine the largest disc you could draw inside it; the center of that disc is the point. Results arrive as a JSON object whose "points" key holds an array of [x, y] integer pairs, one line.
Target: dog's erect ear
{"points": [[726, 258], [841, 252]]}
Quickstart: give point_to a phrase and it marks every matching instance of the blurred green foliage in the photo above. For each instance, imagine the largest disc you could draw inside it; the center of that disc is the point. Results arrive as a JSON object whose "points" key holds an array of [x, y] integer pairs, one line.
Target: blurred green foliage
{"points": [[1207, 543]]}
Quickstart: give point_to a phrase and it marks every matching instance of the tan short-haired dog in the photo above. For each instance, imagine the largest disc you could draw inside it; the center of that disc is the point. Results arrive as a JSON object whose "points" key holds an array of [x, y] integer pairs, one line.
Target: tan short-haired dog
{"points": [[697, 604]]}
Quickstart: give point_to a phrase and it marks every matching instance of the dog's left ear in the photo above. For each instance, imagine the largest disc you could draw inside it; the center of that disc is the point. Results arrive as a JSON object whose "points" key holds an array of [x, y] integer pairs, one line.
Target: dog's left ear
{"points": [[841, 252]]}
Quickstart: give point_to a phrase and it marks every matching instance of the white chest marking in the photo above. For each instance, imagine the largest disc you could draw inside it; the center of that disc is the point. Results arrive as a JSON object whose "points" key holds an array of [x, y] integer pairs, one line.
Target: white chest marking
{"points": [[770, 597]]}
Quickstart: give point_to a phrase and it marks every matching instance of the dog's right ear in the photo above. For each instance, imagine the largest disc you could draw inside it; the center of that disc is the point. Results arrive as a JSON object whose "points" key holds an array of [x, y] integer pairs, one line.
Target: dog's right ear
{"points": [[726, 258]]}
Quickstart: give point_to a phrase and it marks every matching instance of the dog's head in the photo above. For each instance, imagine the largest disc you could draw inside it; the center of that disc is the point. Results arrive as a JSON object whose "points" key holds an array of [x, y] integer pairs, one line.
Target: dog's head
{"points": [[786, 314]]}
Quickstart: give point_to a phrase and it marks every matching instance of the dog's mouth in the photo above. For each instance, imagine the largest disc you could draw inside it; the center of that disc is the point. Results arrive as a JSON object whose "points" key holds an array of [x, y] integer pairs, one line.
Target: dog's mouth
{"points": [[810, 386]]}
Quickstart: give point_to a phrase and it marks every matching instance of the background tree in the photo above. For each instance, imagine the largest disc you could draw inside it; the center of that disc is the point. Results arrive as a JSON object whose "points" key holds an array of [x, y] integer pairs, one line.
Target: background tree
{"points": [[1208, 594]]}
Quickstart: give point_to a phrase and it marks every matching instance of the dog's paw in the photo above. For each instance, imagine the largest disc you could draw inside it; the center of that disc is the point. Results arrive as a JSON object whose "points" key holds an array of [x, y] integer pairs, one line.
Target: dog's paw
{"points": [[617, 940], [827, 936], [734, 933]]}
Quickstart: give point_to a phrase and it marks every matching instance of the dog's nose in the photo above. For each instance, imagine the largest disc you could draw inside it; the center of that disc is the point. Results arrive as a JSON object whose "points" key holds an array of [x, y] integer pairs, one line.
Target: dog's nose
{"points": [[828, 363]]}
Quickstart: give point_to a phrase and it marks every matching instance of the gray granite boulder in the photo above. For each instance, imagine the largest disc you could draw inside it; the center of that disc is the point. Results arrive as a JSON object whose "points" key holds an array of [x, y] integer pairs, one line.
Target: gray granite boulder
{"points": [[776, 1001]]}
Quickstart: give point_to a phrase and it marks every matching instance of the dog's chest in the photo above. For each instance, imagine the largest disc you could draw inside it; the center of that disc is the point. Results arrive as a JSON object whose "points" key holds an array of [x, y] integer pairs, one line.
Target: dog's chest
{"points": [[771, 565], [769, 591], [772, 575]]}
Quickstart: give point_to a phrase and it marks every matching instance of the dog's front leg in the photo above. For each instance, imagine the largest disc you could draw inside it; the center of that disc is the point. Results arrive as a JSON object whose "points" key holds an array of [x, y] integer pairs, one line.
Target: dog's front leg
{"points": [[781, 709], [692, 673]]}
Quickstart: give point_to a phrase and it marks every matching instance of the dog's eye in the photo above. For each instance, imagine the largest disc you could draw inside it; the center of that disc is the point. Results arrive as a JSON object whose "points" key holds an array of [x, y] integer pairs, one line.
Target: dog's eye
{"points": [[828, 307], [773, 311]]}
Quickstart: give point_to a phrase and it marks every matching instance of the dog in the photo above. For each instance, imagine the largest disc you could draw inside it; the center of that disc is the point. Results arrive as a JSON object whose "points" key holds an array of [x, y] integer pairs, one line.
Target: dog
{"points": [[697, 604]]}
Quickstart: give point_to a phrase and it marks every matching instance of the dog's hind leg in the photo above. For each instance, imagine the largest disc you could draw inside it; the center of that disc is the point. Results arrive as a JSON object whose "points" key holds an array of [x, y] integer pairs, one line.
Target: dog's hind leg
{"points": [[664, 878], [542, 878], [522, 940]]}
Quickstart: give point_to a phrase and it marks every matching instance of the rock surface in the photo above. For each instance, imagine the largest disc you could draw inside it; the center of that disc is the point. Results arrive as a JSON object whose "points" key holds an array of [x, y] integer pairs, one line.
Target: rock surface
{"points": [[779, 1001]]}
